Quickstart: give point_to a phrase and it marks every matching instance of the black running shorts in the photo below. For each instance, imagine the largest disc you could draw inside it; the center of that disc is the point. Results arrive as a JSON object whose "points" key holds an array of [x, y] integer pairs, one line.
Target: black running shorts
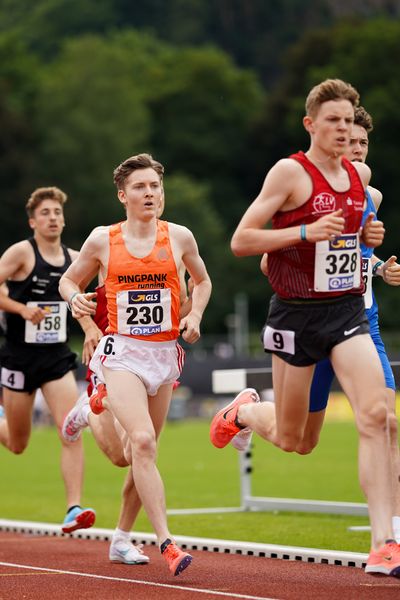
{"points": [[25, 368], [303, 332]]}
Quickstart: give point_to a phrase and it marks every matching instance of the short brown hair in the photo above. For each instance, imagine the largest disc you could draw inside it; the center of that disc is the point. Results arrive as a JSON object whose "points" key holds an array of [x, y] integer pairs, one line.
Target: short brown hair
{"points": [[44, 193], [363, 119], [330, 89], [134, 163]]}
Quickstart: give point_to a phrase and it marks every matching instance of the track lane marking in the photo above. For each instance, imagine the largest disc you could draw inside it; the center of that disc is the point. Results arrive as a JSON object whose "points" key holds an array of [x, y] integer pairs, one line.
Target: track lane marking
{"points": [[138, 581], [25, 574]]}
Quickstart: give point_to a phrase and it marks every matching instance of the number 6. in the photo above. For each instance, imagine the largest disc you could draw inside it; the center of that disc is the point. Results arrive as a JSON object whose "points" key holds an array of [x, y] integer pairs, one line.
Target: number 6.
{"points": [[108, 346]]}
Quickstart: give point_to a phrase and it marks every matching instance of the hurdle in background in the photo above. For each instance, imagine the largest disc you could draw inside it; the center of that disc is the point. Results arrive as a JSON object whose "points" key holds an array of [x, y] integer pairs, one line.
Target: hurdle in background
{"points": [[232, 381]]}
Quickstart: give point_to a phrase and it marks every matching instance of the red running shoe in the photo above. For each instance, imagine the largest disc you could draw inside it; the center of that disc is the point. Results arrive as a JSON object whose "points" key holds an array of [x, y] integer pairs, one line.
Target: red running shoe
{"points": [[177, 559], [223, 426], [385, 560], [96, 399], [78, 518]]}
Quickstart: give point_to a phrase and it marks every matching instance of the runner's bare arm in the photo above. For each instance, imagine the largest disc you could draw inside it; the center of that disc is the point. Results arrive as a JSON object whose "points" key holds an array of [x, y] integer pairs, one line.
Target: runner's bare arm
{"points": [[92, 337], [389, 269], [278, 192], [264, 264], [190, 324], [364, 172], [376, 196], [92, 333], [186, 300], [13, 265], [373, 231], [91, 259]]}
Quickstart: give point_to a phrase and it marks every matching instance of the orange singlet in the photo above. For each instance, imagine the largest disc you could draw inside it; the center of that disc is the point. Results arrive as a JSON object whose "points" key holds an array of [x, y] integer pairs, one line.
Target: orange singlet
{"points": [[143, 294]]}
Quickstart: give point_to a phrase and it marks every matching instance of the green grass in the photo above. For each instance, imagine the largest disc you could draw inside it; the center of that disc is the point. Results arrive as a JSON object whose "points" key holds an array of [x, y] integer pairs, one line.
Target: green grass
{"points": [[198, 475]]}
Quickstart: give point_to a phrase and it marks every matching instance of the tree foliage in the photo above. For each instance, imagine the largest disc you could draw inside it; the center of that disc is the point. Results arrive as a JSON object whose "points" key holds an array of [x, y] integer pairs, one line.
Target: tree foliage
{"points": [[214, 90], [359, 52], [18, 89]]}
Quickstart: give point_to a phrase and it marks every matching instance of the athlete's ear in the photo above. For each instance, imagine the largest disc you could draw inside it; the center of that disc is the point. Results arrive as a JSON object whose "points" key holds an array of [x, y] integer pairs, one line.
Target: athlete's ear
{"points": [[121, 197], [308, 124], [31, 223]]}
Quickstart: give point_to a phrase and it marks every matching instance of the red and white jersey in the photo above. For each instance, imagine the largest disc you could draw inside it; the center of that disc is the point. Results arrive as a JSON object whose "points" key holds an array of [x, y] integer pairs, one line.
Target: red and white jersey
{"points": [[101, 315], [291, 270]]}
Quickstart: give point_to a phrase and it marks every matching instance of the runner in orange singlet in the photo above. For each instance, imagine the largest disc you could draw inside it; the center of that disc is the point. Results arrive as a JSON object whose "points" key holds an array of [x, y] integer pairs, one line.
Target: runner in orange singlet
{"points": [[91, 410], [139, 359]]}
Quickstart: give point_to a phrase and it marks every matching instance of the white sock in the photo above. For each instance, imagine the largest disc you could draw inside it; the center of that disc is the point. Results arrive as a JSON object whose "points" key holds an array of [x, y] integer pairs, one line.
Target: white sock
{"points": [[85, 410], [120, 534], [396, 528]]}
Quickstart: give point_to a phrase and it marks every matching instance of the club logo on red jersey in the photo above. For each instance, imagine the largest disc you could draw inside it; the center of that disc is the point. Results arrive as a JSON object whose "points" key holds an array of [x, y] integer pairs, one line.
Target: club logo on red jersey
{"points": [[324, 203]]}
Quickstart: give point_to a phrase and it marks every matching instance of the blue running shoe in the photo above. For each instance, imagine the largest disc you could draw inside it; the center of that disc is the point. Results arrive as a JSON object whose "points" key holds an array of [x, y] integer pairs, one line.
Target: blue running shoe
{"points": [[78, 518], [2, 413]]}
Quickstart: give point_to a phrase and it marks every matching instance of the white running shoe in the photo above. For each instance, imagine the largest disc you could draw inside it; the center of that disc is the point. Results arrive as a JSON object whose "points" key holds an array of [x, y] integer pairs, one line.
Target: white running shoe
{"points": [[242, 440], [76, 419], [123, 551]]}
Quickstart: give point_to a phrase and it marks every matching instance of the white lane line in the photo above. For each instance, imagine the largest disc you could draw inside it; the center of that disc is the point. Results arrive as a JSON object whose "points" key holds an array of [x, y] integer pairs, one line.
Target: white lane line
{"points": [[139, 581]]}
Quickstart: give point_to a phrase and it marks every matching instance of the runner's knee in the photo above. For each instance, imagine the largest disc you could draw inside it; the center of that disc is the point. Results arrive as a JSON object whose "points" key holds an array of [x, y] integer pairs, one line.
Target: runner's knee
{"points": [[119, 460], [289, 442], [143, 444], [18, 446], [373, 418], [307, 445], [116, 456]]}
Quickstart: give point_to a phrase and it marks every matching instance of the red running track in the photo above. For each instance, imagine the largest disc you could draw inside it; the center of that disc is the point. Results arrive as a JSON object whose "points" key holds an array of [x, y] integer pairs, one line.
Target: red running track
{"points": [[62, 568]]}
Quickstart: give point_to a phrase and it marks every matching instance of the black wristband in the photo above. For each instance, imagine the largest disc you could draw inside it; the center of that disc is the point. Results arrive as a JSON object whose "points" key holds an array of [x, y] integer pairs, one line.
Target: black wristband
{"points": [[376, 267]]}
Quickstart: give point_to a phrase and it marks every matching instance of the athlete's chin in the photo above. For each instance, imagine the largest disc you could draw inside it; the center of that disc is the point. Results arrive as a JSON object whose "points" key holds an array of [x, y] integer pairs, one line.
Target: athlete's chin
{"points": [[148, 215], [53, 234]]}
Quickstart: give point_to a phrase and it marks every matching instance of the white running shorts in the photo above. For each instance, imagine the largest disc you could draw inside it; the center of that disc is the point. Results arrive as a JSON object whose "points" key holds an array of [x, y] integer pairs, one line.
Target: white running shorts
{"points": [[155, 363]]}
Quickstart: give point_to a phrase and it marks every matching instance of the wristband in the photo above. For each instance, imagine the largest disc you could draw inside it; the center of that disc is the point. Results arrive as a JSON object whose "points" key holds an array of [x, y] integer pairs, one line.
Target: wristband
{"points": [[303, 235], [376, 267], [69, 303]]}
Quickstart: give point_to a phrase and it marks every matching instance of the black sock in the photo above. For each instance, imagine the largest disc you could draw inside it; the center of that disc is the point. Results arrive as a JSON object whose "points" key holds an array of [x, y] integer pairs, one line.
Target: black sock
{"points": [[72, 508], [238, 424], [165, 544]]}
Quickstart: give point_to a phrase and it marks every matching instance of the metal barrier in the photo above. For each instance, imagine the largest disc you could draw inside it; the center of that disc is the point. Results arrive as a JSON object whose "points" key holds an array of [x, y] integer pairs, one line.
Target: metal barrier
{"points": [[232, 381]]}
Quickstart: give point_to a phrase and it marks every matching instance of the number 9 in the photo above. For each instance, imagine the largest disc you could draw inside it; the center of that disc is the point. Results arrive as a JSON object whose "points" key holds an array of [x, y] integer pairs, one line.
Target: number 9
{"points": [[278, 340]]}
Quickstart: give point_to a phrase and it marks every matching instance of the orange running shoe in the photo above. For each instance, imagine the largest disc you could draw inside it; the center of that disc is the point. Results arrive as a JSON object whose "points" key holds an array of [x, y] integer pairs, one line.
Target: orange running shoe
{"points": [[177, 559], [386, 560], [224, 425], [96, 399]]}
